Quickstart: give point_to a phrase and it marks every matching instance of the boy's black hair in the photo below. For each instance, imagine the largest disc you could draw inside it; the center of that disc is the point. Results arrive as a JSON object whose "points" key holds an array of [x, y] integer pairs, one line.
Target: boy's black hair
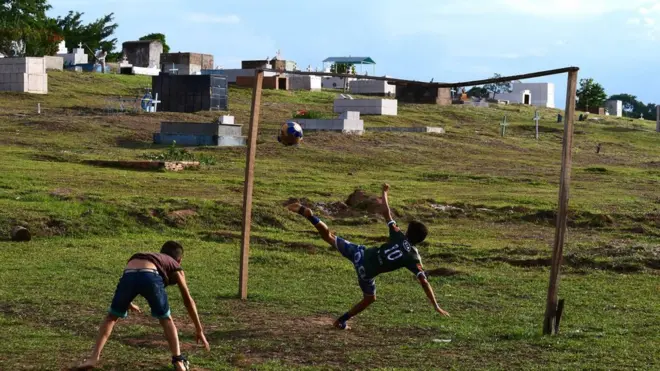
{"points": [[416, 232], [173, 249]]}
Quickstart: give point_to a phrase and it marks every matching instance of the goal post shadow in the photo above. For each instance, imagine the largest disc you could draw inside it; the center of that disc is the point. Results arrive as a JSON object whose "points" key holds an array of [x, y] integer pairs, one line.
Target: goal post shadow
{"points": [[554, 307]]}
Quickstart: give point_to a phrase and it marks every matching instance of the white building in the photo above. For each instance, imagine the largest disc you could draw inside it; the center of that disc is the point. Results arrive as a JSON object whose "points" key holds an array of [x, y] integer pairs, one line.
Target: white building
{"points": [[541, 94]]}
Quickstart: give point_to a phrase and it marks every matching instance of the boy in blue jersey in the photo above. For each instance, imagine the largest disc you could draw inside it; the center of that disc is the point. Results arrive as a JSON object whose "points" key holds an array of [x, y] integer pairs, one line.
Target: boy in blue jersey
{"points": [[398, 252]]}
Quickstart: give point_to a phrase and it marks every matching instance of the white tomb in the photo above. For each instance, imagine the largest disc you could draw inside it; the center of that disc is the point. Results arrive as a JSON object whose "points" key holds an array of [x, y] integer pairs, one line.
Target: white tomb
{"points": [[77, 57], [373, 87], [335, 82], [535, 94], [303, 82], [25, 75], [614, 108], [62, 48], [387, 107], [348, 123]]}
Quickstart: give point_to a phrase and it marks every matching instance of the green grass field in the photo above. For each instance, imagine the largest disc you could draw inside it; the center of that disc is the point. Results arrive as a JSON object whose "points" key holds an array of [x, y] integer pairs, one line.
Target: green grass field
{"points": [[88, 220]]}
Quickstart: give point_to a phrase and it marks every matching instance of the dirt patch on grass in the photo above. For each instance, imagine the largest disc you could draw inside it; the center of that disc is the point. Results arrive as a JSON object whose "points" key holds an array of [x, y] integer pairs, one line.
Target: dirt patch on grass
{"points": [[312, 340]]}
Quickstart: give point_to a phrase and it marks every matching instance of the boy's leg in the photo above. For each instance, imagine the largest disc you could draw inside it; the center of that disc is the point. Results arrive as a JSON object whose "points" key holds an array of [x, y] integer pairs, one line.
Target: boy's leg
{"points": [[104, 333], [153, 290], [316, 222], [124, 295], [172, 337], [369, 296]]}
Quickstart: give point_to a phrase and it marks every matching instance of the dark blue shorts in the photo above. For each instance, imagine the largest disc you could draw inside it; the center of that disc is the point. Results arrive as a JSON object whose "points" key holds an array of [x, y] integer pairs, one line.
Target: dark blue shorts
{"points": [[147, 283], [355, 253]]}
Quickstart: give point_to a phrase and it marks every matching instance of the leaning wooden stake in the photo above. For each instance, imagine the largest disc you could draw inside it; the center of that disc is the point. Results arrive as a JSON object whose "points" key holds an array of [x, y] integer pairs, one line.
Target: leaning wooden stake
{"points": [[249, 181], [550, 325]]}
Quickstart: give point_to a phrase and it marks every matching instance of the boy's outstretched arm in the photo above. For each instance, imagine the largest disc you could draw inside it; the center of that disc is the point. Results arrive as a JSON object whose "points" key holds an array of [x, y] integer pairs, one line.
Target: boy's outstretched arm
{"points": [[192, 309], [429, 293], [387, 214]]}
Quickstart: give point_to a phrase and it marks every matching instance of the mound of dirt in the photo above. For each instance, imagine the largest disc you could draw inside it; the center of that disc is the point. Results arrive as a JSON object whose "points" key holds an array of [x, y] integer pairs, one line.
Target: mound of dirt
{"points": [[356, 204]]}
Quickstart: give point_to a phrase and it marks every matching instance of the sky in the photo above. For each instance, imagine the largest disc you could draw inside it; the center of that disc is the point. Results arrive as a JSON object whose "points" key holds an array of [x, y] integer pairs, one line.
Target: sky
{"points": [[615, 42]]}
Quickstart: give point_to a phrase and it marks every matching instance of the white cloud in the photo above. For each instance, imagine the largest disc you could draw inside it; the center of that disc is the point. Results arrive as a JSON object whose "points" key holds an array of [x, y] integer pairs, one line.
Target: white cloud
{"points": [[210, 18], [634, 21]]}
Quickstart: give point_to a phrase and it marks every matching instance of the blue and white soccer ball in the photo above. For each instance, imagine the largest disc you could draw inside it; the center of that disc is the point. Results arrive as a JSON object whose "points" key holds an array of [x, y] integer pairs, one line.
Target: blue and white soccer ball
{"points": [[291, 134]]}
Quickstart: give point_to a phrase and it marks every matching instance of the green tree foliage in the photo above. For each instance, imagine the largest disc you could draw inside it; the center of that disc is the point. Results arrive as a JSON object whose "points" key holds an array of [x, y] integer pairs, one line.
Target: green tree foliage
{"points": [[342, 68], [25, 28], [498, 88], [96, 35], [590, 94], [478, 92], [159, 37]]}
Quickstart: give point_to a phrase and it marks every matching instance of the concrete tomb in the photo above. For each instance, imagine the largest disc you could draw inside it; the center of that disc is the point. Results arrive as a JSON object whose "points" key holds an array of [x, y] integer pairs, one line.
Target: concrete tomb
{"points": [[372, 87], [614, 107], [190, 93], [222, 133], [423, 94], [54, 63], [535, 94], [25, 75], [367, 106], [145, 53], [348, 122], [303, 82], [186, 63], [77, 57]]}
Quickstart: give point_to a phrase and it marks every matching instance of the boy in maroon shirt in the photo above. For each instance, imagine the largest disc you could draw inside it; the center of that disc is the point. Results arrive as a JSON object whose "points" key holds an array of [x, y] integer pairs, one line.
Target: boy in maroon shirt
{"points": [[147, 274]]}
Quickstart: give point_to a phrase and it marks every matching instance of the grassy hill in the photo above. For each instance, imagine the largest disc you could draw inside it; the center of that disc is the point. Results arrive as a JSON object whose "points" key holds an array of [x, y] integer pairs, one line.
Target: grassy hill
{"points": [[489, 202]]}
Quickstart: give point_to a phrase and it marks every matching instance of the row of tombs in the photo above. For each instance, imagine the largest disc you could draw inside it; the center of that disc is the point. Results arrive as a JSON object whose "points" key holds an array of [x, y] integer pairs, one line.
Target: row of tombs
{"points": [[146, 57]]}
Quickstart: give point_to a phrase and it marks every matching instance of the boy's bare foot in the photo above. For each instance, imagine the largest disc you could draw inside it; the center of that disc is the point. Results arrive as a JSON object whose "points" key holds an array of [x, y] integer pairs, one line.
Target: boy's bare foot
{"points": [[87, 365], [180, 366]]}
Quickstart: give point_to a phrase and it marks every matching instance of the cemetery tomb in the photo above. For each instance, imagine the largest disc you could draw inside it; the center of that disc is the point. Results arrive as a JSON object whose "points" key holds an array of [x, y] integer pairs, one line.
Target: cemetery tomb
{"points": [[302, 82], [186, 63], [423, 94], [54, 63], [372, 87], [25, 75], [348, 122], [222, 133], [535, 94], [277, 82], [232, 74], [72, 59], [614, 107], [190, 93], [335, 82], [367, 106], [144, 53]]}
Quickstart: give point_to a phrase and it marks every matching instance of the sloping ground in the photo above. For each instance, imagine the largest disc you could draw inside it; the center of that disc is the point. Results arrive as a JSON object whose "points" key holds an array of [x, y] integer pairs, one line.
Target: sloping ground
{"points": [[489, 202]]}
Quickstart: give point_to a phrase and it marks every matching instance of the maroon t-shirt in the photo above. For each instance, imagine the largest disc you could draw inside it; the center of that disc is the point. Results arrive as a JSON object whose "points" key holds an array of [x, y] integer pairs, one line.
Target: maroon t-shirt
{"points": [[165, 264]]}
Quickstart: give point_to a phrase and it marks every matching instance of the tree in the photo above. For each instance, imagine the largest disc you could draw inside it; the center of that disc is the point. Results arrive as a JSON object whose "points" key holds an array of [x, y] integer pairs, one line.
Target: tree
{"points": [[590, 94], [498, 88], [342, 68], [158, 37], [25, 30], [478, 92], [95, 35]]}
